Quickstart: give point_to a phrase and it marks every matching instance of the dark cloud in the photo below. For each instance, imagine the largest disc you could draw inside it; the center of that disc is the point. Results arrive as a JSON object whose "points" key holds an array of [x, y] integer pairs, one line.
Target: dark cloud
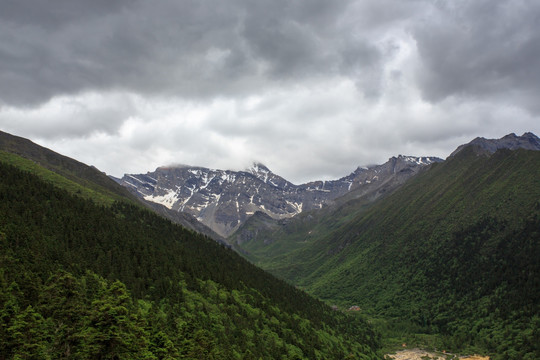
{"points": [[188, 48], [202, 48], [54, 14], [481, 49]]}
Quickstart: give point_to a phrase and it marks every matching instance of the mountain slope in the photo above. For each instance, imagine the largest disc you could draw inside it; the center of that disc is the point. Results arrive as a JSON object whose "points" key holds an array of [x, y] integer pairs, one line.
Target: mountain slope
{"points": [[87, 281], [453, 252], [260, 242], [64, 166], [224, 199], [81, 179]]}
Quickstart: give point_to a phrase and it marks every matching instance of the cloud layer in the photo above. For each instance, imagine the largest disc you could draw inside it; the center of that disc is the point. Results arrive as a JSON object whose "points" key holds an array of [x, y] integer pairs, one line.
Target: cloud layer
{"points": [[311, 88]]}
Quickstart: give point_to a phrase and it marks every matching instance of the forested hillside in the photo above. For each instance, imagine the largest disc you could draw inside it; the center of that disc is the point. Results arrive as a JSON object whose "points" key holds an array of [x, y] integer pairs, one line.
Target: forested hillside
{"points": [[70, 169], [79, 178], [85, 280], [453, 255]]}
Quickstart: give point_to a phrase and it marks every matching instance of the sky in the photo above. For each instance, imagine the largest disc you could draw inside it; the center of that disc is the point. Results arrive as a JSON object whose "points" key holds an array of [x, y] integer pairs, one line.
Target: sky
{"points": [[310, 88]]}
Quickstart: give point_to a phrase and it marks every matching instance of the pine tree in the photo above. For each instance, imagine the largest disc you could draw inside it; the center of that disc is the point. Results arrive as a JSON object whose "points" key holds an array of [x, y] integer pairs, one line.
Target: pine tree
{"points": [[114, 331], [29, 336]]}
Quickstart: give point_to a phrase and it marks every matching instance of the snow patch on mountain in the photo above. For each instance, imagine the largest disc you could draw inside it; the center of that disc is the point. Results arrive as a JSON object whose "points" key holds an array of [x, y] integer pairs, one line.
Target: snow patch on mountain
{"points": [[224, 199], [168, 200]]}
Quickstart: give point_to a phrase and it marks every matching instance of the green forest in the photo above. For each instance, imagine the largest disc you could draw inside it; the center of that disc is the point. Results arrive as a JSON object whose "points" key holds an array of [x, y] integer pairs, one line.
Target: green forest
{"points": [[450, 261], [87, 280]]}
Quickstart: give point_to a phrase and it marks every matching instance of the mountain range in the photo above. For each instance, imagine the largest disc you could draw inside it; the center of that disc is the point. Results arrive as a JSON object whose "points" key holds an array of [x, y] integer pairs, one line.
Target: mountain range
{"points": [[436, 254], [223, 199], [262, 229]]}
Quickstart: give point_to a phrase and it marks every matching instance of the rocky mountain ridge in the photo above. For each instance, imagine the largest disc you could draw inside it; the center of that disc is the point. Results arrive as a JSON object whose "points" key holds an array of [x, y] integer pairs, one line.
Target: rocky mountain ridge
{"points": [[224, 199], [527, 141], [366, 185]]}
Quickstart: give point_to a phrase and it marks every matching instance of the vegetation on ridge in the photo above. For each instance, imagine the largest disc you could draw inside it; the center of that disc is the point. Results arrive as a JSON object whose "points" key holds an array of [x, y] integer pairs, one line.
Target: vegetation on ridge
{"points": [[98, 194], [83, 280], [450, 260], [72, 170]]}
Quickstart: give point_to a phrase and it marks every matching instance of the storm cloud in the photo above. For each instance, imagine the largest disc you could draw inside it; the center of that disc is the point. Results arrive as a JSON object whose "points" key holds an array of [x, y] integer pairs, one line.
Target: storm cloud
{"points": [[188, 48], [481, 49], [311, 88]]}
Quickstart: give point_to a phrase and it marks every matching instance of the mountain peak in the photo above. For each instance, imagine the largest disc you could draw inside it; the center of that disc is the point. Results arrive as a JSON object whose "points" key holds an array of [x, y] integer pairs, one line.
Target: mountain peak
{"points": [[528, 141], [258, 167], [533, 139]]}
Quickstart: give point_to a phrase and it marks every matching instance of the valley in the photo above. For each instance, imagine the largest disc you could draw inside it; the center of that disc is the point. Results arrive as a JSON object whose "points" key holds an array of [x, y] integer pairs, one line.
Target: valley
{"points": [[431, 253], [435, 253], [269, 180]]}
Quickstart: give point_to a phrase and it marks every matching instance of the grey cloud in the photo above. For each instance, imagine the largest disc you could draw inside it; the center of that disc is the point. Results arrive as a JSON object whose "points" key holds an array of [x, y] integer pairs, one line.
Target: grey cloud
{"points": [[203, 49], [70, 118], [363, 62], [481, 49], [143, 48], [53, 14], [295, 39], [191, 49]]}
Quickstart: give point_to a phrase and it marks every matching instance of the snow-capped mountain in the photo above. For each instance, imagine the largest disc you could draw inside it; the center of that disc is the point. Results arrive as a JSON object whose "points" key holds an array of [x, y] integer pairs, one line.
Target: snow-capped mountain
{"points": [[224, 199]]}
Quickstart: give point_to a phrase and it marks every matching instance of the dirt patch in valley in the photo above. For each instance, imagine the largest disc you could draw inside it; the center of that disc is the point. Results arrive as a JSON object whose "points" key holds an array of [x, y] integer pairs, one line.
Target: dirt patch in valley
{"points": [[415, 354], [418, 354]]}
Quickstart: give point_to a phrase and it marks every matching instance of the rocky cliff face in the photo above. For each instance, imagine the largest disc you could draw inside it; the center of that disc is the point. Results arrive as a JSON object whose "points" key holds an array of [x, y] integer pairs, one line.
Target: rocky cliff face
{"points": [[224, 199]]}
